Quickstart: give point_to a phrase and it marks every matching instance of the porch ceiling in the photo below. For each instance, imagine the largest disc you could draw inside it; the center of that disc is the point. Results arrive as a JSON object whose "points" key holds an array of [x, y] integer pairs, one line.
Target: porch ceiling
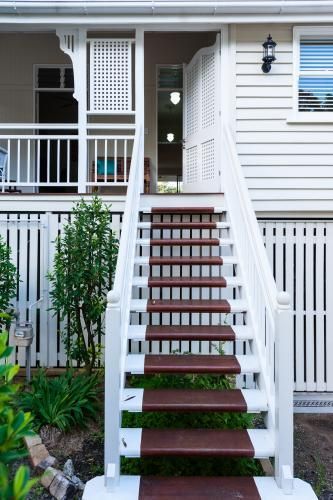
{"points": [[164, 7]]}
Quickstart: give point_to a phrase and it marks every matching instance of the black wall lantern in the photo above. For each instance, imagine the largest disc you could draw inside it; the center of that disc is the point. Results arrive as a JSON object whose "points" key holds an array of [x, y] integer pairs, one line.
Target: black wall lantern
{"points": [[268, 54]]}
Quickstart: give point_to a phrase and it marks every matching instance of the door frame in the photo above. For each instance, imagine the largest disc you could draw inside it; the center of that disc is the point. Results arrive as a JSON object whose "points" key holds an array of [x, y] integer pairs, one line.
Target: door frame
{"points": [[178, 66]]}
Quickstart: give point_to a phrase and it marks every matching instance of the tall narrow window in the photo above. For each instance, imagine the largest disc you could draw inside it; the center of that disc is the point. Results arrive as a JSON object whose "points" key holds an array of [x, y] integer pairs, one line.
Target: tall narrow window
{"points": [[315, 76]]}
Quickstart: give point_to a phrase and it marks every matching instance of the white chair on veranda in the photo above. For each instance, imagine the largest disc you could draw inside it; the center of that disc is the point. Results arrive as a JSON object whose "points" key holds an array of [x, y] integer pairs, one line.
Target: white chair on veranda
{"points": [[3, 167]]}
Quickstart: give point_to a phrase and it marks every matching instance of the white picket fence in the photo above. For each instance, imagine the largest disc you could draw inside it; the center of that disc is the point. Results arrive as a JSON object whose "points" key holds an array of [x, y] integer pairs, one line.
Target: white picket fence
{"points": [[299, 251]]}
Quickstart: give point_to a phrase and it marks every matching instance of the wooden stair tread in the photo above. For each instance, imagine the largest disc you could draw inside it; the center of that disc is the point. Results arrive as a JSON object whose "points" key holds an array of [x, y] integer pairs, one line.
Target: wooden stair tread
{"points": [[187, 281], [198, 488], [196, 442], [189, 305], [185, 210], [193, 400], [182, 261], [183, 225], [189, 332], [185, 242], [191, 363]]}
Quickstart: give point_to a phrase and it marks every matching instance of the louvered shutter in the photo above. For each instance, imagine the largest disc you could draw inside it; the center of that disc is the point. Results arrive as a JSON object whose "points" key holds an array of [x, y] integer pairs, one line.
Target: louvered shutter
{"points": [[315, 82]]}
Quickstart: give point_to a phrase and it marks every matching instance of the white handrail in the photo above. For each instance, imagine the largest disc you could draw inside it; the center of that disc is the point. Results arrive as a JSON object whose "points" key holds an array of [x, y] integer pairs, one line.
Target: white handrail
{"points": [[268, 314], [118, 316], [251, 226]]}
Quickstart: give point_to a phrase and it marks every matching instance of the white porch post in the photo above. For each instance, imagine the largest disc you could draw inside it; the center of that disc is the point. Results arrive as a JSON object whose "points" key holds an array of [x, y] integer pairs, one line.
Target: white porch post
{"points": [[74, 43], [81, 93], [140, 88], [284, 356]]}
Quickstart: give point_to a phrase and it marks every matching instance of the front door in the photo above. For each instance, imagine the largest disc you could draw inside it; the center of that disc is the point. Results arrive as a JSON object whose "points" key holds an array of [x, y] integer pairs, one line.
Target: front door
{"points": [[201, 153]]}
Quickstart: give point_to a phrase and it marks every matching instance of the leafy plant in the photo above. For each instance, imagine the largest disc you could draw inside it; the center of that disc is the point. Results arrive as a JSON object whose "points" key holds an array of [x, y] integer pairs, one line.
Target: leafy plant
{"points": [[82, 274], [187, 466], [62, 402], [14, 425], [8, 279]]}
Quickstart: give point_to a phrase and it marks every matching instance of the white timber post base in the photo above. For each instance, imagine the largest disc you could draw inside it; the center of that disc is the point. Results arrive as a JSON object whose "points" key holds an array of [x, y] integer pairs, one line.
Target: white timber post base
{"points": [[284, 355], [112, 392]]}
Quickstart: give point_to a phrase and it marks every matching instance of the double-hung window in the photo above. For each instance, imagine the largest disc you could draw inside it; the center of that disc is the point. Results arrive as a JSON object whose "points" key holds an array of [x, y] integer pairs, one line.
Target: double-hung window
{"points": [[313, 59]]}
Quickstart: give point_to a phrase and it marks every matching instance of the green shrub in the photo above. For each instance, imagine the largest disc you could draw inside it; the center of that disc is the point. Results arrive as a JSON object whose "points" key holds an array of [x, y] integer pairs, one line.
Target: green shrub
{"points": [[8, 279], [63, 402], [84, 265], [14, 425], [187, 466]]}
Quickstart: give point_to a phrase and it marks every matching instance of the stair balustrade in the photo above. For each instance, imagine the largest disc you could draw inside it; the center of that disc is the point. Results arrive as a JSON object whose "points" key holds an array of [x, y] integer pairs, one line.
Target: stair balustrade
{"points": [[269, 314], [118, 314]]}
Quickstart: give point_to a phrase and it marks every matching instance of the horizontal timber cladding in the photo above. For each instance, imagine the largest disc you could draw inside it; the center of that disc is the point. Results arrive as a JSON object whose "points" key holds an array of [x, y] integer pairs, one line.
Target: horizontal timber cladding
{"points": [[299, 252], [300, 255], [284, 163]]}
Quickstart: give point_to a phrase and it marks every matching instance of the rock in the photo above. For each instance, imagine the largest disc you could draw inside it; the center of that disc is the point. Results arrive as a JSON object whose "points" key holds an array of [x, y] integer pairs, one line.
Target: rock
{"points": [[78, 483], [37, 454], [48, 476], [49, 461], [31, 441], [61, 488], [69, 469]]}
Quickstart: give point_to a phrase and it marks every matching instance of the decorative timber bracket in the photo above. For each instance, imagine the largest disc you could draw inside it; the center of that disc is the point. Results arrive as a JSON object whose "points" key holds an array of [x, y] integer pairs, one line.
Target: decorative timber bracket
{"points": [[70, 44]]}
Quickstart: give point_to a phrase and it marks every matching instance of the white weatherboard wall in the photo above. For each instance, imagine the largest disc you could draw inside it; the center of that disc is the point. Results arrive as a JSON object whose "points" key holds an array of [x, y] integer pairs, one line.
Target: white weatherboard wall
{"points": [[288, 166], [18, 54]]}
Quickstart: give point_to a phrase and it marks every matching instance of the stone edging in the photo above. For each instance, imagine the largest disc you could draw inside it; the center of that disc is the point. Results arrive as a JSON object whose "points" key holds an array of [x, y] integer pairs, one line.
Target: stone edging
{"points": [[58, 484]]}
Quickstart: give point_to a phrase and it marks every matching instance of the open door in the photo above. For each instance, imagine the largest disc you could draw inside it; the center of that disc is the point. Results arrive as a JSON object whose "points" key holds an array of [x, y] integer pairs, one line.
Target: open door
{"points": [[201, 150]]}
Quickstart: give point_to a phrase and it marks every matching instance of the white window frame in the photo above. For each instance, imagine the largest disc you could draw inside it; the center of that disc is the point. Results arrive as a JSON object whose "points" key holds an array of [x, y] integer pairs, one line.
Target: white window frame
{"points": [[300, 116]]}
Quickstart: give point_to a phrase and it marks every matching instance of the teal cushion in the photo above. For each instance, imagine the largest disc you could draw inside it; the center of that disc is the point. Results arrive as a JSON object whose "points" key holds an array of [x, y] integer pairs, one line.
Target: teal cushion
{"points": [[101, 166]]}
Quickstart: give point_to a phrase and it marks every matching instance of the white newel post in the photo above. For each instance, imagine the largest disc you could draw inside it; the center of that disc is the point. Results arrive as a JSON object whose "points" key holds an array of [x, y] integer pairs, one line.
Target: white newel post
{"points": [[74, 43], [284, 355], [112, 391]]}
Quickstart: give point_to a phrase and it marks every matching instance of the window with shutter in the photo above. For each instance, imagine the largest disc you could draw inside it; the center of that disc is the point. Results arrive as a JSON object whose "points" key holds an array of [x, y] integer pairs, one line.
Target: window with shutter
{"points": [[315, 74]]}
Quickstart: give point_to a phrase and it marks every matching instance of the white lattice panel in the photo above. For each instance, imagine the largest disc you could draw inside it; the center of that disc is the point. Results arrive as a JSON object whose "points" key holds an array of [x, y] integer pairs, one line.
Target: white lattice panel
{"points": [[192, 167], [193, 96], [208, 160], [110, 76], [208, 90]]}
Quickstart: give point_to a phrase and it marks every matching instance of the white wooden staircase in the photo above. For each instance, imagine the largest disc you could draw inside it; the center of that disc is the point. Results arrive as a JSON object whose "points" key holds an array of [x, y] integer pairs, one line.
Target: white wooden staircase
{"points": [[193, 274]]}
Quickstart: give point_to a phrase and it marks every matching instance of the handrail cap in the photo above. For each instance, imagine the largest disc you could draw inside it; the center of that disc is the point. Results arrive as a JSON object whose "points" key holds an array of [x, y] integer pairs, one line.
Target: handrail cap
{"points": [[283, 300], [113, 297]]}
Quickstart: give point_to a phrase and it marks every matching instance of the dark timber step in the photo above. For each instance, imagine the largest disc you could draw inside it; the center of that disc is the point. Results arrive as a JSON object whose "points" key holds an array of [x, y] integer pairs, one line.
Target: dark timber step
{"points": [[189, 332], [187, 282], [196, 442], [191, 363], [193, 400], [186, 261], [198, 488], [183, 225], [222, 306], [185, 242], [183, 210]]}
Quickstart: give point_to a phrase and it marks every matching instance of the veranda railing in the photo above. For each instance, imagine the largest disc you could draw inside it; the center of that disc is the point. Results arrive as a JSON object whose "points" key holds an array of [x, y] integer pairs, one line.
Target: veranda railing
{"points": [[269, 314], [48, 156]]}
